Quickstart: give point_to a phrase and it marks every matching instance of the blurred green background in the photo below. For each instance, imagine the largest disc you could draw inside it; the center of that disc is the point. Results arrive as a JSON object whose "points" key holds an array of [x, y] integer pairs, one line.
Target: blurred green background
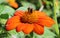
{"points": [[50, 7]]}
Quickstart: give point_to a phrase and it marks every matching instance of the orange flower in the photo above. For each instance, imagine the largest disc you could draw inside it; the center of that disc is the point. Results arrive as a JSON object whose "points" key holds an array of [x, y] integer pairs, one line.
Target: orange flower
{"points": [[12, 3], [29, 21]]}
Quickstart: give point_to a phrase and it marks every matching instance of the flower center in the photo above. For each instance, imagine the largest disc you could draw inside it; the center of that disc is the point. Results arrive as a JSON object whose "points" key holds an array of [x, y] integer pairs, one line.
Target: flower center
{"points": [[29, 16]]}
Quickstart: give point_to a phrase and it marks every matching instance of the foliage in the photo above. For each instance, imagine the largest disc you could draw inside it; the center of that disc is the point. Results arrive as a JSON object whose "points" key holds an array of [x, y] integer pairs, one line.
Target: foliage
{"points": [[6, 11]]}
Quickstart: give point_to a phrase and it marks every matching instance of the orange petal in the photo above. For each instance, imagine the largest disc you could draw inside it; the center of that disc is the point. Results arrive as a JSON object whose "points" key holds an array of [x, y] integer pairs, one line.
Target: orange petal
{"points": [[20, 27], [40, 14], [13, 4], [43, 19], [12, 22], [47, 21], [28, 28], [19, 13], [38, 29]]}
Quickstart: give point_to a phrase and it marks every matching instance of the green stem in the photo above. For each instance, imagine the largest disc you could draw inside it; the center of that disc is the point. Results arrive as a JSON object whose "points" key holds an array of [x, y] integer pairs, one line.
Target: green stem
{"points": [[40, 1], [55, 16]]}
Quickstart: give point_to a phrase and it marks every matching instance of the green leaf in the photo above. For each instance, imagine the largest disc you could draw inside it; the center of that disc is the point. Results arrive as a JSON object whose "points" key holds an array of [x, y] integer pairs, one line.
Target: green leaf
{"points": [[22, 8], [2, 1], [48, 33], [27, 4], [15, 34], [21, 35], [1, 8], [6, 9], [5, 12], [48, 11], [3, 21], [58, 14], [59, 24], [4, 16]]}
